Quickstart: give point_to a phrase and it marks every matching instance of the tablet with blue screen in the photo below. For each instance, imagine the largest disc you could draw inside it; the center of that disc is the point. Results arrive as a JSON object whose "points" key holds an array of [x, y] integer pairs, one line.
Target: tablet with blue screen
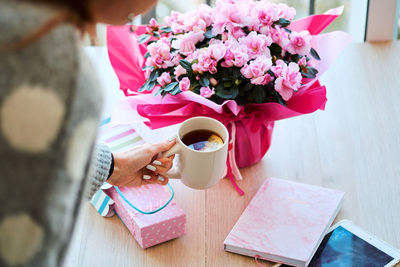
{"points": [[347, 245]]}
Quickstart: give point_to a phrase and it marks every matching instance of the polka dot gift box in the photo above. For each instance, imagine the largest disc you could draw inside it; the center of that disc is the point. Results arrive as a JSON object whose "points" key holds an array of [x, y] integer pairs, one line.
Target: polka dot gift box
{"points": [[149, 229]]}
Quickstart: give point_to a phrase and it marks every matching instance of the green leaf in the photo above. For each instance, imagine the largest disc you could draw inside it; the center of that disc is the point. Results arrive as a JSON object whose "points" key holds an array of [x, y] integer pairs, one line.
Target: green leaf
{"points": [[248, 87], [150, 42], [151, 85], [147, 55], [236, 73], [282, 22], [288, 30], [279, 98], [204, 81], [312, 70], [166, 29], [186, 65], [171, 86], [259, 94], [295, 58], [154, 75], [228, 84], [144, 86], [158, 92], [308, 75], [147, 67], [176, 91], [227, 93], [156, 34], [276, 50], [314, 54], [143, 38]]}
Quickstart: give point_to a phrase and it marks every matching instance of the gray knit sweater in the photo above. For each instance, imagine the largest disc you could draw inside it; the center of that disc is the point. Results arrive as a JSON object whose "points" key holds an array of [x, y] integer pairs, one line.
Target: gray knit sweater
{"points": [[49, 113]]}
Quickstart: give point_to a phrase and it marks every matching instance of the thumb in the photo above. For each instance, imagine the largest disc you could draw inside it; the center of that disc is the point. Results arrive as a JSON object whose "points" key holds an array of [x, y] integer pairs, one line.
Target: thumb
{"points": [[163, 146]]}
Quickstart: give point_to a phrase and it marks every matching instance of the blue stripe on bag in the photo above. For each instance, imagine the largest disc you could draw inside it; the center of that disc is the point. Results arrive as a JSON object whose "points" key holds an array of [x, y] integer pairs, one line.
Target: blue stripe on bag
{"points": [[103, 206], [105, 121]]}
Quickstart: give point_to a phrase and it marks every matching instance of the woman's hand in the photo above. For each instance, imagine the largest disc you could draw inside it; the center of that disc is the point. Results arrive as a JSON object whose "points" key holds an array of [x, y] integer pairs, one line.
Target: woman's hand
{"points": [[140, 165]]}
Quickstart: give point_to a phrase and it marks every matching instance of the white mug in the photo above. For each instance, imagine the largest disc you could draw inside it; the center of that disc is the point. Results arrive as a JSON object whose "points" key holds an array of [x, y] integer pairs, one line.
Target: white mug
{"points": [[199, 169]]}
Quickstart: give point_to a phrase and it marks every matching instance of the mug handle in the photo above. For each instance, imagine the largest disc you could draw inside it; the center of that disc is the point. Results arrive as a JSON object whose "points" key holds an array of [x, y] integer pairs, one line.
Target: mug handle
{"points": [[175, 172], [172, 151]]}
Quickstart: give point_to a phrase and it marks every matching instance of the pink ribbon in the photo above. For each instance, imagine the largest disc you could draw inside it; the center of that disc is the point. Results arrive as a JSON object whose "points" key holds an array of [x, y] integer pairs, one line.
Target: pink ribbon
{"points": [[256, 257], [232, 168]]}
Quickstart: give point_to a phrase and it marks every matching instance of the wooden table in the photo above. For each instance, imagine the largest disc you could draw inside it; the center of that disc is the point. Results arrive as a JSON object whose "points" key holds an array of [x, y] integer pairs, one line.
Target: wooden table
{"points": [[354, 146]]}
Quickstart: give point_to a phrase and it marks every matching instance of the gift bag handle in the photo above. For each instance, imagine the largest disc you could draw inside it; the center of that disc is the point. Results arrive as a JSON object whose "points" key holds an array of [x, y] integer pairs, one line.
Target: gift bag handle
{"points": [[146, 212]]}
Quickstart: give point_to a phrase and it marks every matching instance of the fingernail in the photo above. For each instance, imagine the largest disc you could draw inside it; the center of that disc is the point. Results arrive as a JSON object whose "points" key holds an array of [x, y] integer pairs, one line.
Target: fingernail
{"points": [[146, 177], [158, 163], [161, 179], [171, 138], [151, 168]]}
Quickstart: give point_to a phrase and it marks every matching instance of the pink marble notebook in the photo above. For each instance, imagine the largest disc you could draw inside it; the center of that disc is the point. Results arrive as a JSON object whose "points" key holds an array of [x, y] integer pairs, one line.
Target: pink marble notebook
{"points": [[284, 222]]}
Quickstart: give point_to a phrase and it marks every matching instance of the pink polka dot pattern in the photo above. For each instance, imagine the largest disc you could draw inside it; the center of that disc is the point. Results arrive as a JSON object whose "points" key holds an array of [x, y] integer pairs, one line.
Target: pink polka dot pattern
{"points": [[149, 229]]}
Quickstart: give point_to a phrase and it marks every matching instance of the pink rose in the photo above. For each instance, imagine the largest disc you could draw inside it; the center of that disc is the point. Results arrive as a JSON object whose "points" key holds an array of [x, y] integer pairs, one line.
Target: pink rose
{"points": [[206, 92], [289, 81], [241, 58], [262, 80], [267, 14], [300, 43], [257, 70], [179, 70], [193, 23], [217, 51], [177, 28], [259, 67], [279, 36], [205, 62], [173, 18], [284, 11], [237, 32], [205, 12], [246, 72], [164, 79], [257, 44], [153, 24], [187, 42], [302, 61], [230, 12], [280, 68], [160, 54], [184, 84], [175, 58]]}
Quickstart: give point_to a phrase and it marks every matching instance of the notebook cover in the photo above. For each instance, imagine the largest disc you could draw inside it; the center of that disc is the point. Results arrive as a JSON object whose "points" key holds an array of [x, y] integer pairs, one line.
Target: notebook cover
{"points": [[284, 222]]}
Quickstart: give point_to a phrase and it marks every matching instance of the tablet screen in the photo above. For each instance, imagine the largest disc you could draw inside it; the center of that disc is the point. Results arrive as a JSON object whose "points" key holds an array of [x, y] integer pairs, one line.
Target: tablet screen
{"points": [[342, 248]]}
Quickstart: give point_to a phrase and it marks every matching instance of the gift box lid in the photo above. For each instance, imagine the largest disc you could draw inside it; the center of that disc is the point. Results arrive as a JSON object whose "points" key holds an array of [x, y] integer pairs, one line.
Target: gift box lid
{"points": [[148, 198]]}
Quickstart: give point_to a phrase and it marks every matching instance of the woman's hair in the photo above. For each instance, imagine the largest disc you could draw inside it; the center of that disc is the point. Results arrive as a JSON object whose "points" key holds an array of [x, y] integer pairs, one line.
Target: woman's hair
{"points": [[75, 12]]}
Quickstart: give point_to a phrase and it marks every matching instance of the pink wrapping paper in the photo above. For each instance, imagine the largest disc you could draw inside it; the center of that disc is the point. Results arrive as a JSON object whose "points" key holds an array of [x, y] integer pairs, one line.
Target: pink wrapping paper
{"points": [[253, 123], [149, 229]]}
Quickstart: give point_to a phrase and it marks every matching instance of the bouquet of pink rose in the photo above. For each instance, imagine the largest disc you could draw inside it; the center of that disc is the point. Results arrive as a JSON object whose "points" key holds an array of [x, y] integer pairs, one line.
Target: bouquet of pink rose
{"points": [[245, 63], [240, 50]]}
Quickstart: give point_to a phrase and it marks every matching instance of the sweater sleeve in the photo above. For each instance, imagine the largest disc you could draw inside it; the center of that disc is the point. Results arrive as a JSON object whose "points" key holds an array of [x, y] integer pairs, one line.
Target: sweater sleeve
{"points": [[100, 168]]}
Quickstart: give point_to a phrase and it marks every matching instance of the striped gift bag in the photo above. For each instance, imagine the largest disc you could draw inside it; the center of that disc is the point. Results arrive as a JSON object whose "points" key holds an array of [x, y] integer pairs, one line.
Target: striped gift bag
{"points": [[118, 139]]}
